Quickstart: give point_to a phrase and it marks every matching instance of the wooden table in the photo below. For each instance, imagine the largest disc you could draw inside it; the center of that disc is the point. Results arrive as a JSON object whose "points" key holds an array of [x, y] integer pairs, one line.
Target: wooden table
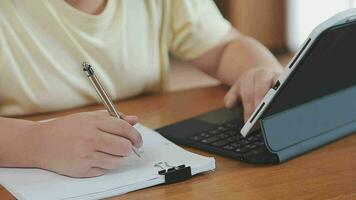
{"points": [[326, 173]]}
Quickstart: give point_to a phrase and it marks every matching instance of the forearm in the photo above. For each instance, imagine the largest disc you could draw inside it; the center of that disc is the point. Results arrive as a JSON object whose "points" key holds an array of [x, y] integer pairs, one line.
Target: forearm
{"points": [[243, 63], [16, 145], [240, 55]]}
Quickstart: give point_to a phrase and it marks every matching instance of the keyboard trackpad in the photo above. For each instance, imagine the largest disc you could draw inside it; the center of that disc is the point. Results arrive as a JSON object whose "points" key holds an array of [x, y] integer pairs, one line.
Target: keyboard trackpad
{"points": [[185, 128]]}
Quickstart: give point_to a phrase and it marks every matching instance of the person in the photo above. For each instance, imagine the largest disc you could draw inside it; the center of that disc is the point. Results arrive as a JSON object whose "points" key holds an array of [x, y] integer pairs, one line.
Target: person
{"points": [[129, 42]]}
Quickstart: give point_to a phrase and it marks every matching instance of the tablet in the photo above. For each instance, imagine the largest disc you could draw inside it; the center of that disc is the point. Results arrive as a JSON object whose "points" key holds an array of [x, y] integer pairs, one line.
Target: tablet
{"points": [[328, 54]]}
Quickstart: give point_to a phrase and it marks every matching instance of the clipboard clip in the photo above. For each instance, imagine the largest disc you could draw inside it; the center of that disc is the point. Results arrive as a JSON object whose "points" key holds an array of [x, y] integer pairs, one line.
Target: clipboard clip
{"points": [[174, 174]]}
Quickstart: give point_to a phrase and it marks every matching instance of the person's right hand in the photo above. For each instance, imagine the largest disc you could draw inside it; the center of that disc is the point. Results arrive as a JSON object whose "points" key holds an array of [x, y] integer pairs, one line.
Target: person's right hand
{"points": [[84, 144]]}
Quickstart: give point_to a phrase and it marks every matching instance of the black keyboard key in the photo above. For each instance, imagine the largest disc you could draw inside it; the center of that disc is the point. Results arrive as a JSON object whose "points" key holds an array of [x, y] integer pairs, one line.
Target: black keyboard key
{"points": [[260, 143], [256, 139], [220, 128], [224, 135], [252, 146], [230, 133], [204, 134], [232, 139], [232, 146], [213, 132], [215, 137], [231, 125], [239, 137], [250, 139], [229, 147], [234, 133], [259, 135], [210, 139], [235, 145], [195, 138], [221, 143], [240, 150], [244, 142]]}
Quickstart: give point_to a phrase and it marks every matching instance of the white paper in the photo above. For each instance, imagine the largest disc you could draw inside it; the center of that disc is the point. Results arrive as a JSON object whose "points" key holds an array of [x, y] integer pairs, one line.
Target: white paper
{"points": [[135, 173]]}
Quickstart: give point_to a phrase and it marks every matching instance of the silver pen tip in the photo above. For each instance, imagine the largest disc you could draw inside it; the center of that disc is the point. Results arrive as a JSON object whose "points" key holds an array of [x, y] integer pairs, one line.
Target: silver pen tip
{"points": [[134, 149], [87, 68]]}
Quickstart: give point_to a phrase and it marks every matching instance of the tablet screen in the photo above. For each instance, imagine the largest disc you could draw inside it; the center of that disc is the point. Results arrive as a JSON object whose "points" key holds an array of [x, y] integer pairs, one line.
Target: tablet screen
{"points": [[327, 67]]}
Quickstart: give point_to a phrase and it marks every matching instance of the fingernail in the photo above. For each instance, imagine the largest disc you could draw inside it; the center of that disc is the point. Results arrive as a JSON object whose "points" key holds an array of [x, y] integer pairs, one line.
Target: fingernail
{"points": [[246, 118], [139, 145], [140, 142]]}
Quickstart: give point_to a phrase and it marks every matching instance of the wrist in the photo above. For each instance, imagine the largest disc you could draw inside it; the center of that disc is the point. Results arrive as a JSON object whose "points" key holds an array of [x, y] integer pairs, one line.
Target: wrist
{"points": [[29, 145], [35, 149]]}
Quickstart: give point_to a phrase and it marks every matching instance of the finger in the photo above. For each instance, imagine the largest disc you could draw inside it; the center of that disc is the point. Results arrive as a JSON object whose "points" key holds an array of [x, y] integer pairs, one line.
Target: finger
{"points": [[119, 127], [95, 171], [101, 111], [275, 78], [113, 144], [232, 96], [248, 106], [247, 94], [106, 161], [262, 84], [131, 119]]}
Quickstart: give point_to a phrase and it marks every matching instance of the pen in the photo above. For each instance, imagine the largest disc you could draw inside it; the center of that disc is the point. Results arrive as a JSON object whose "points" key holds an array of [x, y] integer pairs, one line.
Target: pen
{"points": [[105, 99]]}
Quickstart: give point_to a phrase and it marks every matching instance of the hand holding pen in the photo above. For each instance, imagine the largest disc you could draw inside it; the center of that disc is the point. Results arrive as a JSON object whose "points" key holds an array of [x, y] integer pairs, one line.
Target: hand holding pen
{"points": [[106, 100]]}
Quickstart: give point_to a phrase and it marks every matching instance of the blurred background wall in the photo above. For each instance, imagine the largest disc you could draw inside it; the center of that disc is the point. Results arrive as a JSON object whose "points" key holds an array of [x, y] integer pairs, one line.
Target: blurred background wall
{"points": [[262, 19], [304, 15], [280, 24]]}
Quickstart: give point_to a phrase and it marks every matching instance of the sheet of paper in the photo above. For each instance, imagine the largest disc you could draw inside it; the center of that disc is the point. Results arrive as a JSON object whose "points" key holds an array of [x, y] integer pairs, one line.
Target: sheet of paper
{"points": [[133, 174]]}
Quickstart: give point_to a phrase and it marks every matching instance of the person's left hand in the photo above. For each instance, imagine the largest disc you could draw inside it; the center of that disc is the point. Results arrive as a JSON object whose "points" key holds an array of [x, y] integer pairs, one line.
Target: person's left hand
{"points": [[251, 87]]}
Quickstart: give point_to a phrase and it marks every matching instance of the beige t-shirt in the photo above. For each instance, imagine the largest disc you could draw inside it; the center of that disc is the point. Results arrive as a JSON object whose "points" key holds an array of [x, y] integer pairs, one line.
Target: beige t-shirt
{"points": [[44, 42]]}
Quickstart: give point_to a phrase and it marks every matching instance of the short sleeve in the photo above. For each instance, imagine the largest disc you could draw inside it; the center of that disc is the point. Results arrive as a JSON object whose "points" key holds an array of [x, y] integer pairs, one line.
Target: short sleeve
{"points": [[197, 26]]}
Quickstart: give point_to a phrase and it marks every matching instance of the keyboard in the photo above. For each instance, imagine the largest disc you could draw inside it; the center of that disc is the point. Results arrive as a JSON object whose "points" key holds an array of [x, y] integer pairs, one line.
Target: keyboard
{"points": [[202, 132], [227, 137]]}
